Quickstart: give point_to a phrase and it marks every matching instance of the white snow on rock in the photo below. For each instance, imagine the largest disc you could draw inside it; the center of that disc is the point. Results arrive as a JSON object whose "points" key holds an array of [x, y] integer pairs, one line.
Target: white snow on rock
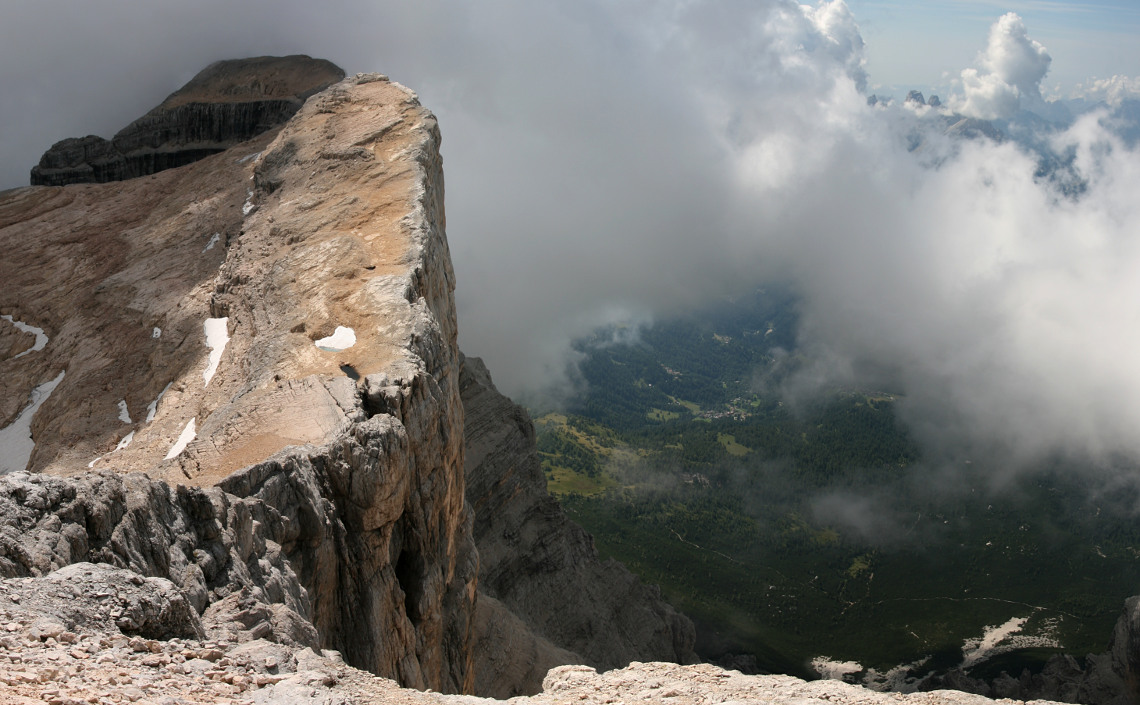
{"points": [[248, 206], [152, 408], [16, 443], [124, 415], [125, 442], [834, 670], [41, 338], [899, 679], [213, 241], [1000, 639], [156, 333], [184, 438], [92, 463], [342, 339], [217, 335]]}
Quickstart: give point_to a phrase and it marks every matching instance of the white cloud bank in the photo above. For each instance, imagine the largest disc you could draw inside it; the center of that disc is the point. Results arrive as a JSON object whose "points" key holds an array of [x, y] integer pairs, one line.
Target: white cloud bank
{"points": [[1002, 308], [1113, 90]]}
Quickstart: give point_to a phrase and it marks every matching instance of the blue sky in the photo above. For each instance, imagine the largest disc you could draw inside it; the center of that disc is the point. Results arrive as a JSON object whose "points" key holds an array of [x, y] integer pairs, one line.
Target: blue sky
{"points": [[923, 44]]}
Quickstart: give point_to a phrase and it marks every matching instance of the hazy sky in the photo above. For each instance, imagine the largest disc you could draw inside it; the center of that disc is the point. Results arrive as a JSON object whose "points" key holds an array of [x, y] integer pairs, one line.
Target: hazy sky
{"points": [[619, 160]]}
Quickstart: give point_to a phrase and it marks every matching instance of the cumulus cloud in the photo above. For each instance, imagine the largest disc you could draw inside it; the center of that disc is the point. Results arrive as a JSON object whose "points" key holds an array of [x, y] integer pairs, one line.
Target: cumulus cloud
{"points": [[1012, 67]]}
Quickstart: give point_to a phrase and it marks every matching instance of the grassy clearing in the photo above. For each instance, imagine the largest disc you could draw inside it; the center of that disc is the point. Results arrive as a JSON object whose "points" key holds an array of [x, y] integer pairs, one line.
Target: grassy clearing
{"points": [[693, 408], [729, 442], [562, 482]]}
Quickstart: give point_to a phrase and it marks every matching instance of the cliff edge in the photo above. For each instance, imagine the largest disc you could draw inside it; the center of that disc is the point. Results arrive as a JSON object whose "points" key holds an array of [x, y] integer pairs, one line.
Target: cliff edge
{"points": [[269, 335], [541, 568], [240, 376]]}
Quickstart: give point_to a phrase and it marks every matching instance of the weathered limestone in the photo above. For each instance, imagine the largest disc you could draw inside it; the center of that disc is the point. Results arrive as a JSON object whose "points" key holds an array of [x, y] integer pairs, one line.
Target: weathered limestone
{"points": [[227, 103], [344, 468], [543, 567]]}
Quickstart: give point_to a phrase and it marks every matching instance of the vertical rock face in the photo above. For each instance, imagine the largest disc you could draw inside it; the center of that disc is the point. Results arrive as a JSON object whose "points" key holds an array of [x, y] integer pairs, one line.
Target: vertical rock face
{"points": [[258, 397], [226, 103], [325, 499], [543, 567]]}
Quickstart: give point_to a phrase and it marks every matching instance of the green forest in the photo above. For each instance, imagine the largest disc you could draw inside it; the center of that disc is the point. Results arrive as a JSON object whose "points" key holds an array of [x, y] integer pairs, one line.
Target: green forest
{"points": [[793, 528]]}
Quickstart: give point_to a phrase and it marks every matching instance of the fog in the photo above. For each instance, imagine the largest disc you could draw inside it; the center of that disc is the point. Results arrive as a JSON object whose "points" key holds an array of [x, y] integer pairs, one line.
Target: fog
{"points": [[619, 161]]}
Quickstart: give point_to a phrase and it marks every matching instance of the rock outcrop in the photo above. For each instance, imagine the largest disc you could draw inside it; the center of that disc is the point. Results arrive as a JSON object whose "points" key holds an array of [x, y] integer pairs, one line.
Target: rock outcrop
{"points": [[323, 482], [543, 567], [227, 103], [255, 395]]}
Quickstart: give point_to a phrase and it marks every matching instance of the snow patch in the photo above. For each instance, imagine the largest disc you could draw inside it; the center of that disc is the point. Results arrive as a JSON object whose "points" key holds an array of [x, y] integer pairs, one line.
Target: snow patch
{"points": [[342, 339], [184, 438], [16, 442], [41, 339], [213, 241], [125, 442], [124, 415], [249, 157], [834, 670], [217, 335], [156, 333], [92, 463], [248, 207], [900, 679], [152, 408], [1001, 639]]}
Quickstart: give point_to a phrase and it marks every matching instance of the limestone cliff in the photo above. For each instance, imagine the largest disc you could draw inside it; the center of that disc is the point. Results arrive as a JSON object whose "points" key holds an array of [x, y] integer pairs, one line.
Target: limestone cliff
{"points": [[241, 376], [188, 312], [225, 104], [544, 568]]}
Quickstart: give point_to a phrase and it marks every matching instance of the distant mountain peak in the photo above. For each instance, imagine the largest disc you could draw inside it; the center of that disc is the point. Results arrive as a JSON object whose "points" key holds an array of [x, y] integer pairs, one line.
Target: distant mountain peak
{"points": [[226, 103]]}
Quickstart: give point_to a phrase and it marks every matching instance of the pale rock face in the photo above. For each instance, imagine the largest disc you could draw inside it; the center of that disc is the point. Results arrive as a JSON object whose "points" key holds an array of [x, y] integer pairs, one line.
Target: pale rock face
{"points": [[350, 516]]}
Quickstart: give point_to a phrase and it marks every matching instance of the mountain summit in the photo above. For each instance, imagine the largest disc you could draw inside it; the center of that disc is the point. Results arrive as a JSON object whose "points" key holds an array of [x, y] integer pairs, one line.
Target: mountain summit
{"points": [[228, 102], [232, 404]]}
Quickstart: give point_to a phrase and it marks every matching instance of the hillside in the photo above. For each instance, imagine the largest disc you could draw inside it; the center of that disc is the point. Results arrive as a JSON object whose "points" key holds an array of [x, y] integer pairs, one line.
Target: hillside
{"points": [[811, 531]]}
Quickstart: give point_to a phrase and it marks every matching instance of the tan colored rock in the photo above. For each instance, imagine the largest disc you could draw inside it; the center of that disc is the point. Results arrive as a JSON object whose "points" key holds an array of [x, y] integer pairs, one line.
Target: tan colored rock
{"points": [[353, 484]]}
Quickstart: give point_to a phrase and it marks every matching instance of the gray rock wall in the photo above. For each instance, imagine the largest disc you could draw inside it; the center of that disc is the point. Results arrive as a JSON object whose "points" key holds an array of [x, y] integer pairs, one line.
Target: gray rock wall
{"points": [[542, 566], [193, 123]]}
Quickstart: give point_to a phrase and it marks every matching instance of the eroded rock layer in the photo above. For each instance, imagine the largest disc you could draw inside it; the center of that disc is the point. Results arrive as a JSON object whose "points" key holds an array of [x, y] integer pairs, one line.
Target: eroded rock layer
{"points": [[198, 318], [226, 103]]}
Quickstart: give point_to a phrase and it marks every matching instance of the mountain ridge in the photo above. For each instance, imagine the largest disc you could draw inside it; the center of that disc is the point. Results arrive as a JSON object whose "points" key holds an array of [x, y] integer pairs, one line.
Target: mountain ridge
{"points": [[261, 405]]}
